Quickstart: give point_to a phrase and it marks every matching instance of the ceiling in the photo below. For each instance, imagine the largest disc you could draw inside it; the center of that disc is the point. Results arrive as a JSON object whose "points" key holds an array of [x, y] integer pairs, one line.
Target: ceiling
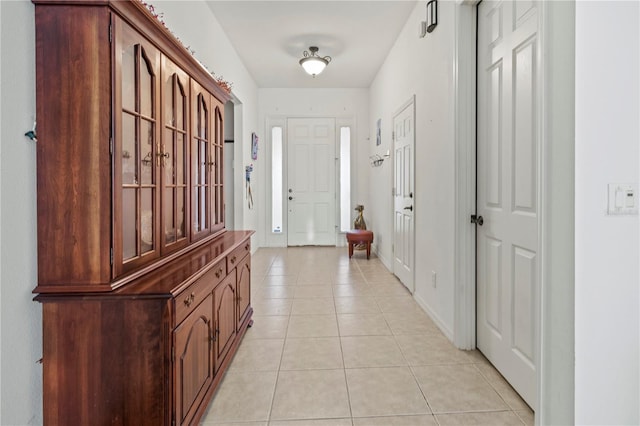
{"points": [[270, 37]]}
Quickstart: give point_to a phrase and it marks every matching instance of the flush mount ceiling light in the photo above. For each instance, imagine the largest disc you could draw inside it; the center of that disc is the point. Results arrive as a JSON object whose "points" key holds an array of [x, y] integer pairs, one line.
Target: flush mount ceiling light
{"points": [[312, 63]]}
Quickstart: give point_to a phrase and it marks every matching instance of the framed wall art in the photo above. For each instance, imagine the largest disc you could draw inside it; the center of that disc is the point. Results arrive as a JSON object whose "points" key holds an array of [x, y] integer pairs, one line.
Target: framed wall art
{"points": [[254, 146]]}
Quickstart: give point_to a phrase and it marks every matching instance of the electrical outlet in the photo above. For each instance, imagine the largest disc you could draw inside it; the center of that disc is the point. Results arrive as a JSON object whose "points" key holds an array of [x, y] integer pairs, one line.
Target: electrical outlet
{"points": [[434, 277]]}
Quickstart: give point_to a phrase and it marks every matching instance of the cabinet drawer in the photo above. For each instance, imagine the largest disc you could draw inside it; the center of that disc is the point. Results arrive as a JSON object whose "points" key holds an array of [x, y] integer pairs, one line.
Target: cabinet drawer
{"points": [[238, 254], [187, 300]]}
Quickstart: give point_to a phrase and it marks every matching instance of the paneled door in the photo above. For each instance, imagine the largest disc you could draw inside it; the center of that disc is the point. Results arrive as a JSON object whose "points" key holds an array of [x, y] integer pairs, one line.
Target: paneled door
{"points": [[507, 191], [311, 193], [403, 195]]}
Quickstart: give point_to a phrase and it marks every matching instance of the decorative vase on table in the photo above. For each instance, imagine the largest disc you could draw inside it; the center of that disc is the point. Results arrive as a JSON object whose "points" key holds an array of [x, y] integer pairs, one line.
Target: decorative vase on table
{"points": [[359, 223]]}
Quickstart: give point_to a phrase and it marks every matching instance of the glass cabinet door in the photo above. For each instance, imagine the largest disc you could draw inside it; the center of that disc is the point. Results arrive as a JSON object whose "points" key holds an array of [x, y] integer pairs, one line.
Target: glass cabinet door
{"points": [[218, 169], [201, 162], [174, 155], [168, 155], [136, 197]]}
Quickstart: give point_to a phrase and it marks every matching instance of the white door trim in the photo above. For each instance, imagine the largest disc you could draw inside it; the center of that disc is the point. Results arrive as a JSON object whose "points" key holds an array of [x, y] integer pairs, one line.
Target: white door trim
{"points": [[465, 176], [556, 356], [547, 375]]}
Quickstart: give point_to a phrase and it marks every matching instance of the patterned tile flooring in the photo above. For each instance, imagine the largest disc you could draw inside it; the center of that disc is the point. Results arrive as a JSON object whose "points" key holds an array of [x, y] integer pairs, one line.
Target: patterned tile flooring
{"points": [[339, 341]]}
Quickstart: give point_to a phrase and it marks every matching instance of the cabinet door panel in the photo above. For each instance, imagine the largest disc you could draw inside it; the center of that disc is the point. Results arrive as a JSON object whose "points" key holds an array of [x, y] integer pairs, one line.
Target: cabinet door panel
{"points": [[174, 154], [225, 316], [193, 360], [217, 172], [201, 161], [136, 197], [244, 289]]}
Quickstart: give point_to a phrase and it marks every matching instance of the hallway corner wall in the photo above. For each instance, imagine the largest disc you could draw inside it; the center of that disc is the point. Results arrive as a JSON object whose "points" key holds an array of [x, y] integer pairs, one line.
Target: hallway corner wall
{"points": [[430, 77]]}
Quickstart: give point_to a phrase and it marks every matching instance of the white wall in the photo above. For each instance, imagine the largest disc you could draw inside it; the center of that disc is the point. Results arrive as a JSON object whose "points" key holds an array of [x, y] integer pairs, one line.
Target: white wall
{"points": [[339, 103], [20, 317], [430, 78], [1, 224], [607, 257]]}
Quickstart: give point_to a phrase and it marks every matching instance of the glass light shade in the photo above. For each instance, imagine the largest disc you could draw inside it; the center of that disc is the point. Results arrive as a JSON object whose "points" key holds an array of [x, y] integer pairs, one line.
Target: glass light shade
{"points": [[313, 65]]}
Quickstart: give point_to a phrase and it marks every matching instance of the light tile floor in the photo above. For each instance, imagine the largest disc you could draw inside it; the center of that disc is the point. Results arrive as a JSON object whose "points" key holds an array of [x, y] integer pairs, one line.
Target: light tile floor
{"points": [[339, 341]]}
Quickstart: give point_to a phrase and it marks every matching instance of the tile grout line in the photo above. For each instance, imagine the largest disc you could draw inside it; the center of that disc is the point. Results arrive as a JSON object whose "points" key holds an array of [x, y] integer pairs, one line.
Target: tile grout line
{"points": [[344, 370], [376, 300], [499, 394], [275, 386]]}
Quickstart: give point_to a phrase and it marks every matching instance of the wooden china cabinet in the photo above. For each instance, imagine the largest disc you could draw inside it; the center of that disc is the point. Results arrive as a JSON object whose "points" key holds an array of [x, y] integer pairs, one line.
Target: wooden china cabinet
{"points": [[145, 295]]}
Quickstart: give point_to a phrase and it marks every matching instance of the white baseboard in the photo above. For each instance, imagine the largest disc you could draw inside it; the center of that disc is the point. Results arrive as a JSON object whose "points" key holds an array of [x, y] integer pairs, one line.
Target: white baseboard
{"points": [[434, 317], [384, 260]]}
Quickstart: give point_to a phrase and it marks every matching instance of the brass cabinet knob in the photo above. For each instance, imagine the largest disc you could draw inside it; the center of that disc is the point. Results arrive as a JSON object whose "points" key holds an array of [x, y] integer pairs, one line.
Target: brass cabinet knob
{"points": [[189, 300]]}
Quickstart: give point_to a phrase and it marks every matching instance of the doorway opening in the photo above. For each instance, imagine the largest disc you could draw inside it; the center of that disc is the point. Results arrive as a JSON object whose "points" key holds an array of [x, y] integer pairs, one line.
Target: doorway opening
{"points": [[310, 165]]}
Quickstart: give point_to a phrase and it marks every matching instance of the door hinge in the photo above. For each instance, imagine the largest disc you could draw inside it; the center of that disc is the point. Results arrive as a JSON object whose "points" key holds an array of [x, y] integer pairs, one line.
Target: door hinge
{"points": [[110, 33], [111, 256], [111, 145], [393, 136]]}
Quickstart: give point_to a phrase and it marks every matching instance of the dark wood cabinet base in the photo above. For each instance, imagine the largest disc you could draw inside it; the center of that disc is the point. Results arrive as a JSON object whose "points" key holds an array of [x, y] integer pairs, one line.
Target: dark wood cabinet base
{"points": [[145, 354]]}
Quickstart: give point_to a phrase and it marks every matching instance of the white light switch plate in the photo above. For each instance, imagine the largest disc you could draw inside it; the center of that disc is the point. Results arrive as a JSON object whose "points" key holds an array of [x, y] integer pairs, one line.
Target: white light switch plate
{"points": [[622, 199]]}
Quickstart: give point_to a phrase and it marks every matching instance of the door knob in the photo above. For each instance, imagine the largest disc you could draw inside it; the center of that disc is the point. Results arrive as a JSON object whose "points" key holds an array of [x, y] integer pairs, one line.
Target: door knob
{"points": [[478, 220], [409, 208], [290, 198]]}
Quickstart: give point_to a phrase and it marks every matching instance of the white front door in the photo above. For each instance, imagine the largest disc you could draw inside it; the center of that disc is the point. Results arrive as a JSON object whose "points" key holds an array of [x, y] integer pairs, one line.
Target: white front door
{"points": [[311, 192], [404, 193], [507, 191]]}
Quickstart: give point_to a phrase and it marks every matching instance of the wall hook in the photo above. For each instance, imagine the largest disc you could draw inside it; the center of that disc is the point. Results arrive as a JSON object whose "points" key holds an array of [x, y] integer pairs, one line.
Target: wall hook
{"points": [[31, 134]]}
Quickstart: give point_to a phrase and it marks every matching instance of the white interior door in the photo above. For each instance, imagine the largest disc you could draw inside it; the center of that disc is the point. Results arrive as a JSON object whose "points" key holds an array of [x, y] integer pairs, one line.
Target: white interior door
{"points": [[508, 187], [311, 195], [404, 192]]}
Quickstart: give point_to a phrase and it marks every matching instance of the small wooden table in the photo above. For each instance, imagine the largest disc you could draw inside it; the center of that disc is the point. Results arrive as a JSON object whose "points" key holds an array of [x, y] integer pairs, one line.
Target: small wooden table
{"points": [[359, 236]]}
